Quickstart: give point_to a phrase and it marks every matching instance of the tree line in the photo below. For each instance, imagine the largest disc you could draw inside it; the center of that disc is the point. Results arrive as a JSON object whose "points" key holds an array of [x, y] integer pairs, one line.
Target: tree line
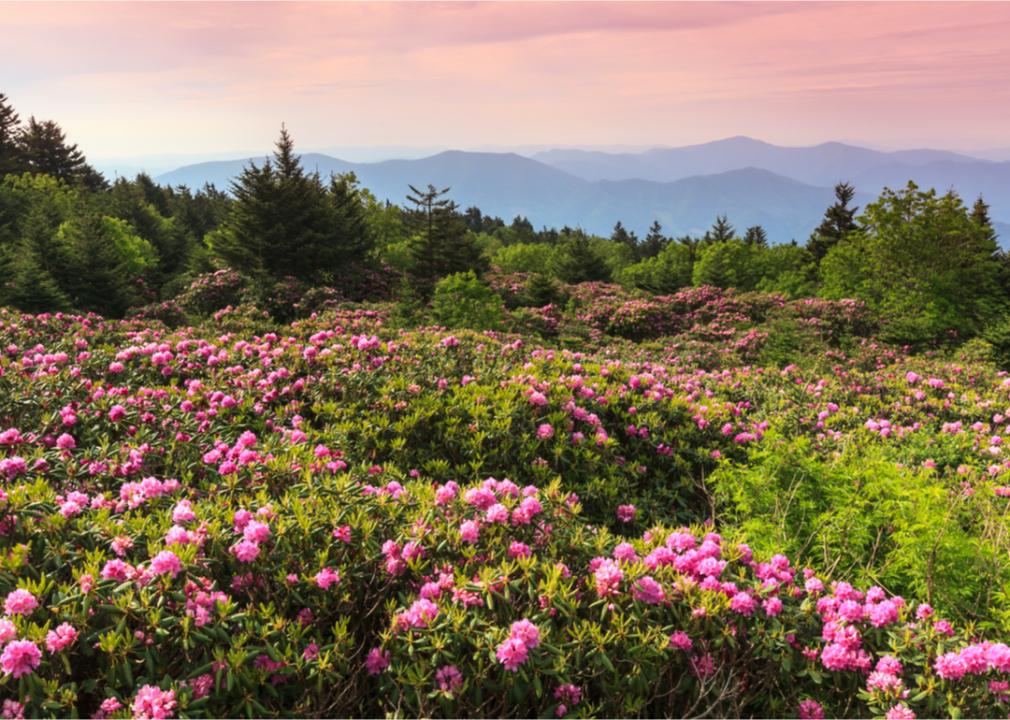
{"points": [[69, 239]]}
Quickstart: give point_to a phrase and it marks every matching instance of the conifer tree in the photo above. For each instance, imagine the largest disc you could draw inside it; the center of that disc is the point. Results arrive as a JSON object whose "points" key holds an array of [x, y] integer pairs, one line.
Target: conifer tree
{"points": [[839, 220], [352, 232], [622, 236], [980, 214], [654, 242], [721, 231], [9, 129], [440, 242], [42, 147], [281, 223], [756, 235]]}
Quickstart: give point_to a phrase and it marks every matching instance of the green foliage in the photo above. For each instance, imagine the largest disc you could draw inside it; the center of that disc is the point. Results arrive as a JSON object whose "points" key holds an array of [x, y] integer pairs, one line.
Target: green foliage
{"points": [[668, 271], [863, 516], [462, 301], [922, 262], [440, 242], [728, 263], [523, 257], [286, 223], [578, 260]]}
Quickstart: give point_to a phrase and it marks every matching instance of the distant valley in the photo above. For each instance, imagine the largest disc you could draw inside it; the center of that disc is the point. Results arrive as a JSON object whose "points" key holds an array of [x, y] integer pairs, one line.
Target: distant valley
{"points": [[784, 189]]}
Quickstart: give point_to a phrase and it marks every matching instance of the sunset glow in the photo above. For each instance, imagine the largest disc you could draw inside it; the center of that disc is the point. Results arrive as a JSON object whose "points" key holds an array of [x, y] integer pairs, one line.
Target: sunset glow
{"points": [[186, 77]]}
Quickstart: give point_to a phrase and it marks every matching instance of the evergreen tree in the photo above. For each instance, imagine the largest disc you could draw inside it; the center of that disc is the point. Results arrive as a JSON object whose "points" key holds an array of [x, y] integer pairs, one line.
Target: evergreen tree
{"points": [[654, 242], [721, 231], [440, 244], [523, 229], [980, 214], [9, 124], [354, 241], [281, 223], [575, 261], [756, 235], [622, 236], [42, 148], [839, 221]]}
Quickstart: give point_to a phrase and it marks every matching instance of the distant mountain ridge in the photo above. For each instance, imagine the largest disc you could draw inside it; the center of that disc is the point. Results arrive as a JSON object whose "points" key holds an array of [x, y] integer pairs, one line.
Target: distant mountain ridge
{"points": [[783, 189]]}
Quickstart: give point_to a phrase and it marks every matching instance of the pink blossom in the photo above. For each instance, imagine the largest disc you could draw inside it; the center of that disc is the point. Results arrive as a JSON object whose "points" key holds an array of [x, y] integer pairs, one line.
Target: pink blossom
{"points": [[377, 660], [327, 578], [449, 678], [626, 513], [810, 710], [20, 602], [649, 591], [512, 653], [61, 638], [20, 657], [681, 641], [469, 531], [246, 551], [608, 576], [153, 703], [526, 632], [166, 562]]}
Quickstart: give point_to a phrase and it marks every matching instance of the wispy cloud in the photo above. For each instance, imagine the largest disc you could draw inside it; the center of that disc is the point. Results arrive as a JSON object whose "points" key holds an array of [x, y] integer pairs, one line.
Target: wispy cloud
{"points": [[170, 77]]}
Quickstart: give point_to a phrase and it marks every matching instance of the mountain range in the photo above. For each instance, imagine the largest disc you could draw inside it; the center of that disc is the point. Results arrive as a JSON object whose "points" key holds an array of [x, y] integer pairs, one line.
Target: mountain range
{"points": [[784, 189]]}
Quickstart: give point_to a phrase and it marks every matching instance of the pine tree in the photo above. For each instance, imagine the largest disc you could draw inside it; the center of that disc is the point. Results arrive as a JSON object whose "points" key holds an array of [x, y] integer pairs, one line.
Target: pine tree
{"points": [[523, 229], [9, 130], [622, 236], [721, 231], [756, 235], [42, 148], [839, 221], [654, 242], [575, 261], [441, 244], [281, 223], [980, 214], [352, 233]]}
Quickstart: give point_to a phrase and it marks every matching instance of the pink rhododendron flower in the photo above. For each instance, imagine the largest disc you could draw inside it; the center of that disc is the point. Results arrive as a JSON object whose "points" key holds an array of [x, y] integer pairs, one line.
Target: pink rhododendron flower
{"points": [[166, 563], [62, 637], [512, 653], [20, 657], [153, 703], [810, 710], [20, 602], [377, 660], [449, 678], [327, 578], [626, 513]]}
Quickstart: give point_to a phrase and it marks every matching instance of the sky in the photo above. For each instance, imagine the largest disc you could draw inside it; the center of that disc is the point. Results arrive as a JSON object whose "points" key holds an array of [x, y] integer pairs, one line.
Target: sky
{"points": [[191, 79]]}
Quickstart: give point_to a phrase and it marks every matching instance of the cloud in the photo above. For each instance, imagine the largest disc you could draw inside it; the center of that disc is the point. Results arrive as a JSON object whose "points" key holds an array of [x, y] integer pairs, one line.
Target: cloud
{"points": [[163, 77]]}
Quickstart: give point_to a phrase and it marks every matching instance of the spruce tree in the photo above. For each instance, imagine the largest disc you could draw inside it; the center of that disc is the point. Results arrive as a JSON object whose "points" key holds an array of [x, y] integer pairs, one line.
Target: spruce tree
{"points": [[756, 235], [622, 236], [353, 236], [281, 223], [9, 123], [980, 214], [654, 242], [441, 244], [839, 220], [721, 231], [42, 147]]}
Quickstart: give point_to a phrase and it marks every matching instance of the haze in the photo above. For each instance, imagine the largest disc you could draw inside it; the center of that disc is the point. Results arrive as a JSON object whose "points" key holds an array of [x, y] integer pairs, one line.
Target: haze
{"points": [[204, 80]]}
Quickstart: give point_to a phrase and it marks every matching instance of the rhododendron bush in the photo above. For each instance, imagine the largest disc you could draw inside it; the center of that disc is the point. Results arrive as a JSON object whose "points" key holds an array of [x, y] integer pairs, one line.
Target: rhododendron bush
{"points": [[334, 518]]}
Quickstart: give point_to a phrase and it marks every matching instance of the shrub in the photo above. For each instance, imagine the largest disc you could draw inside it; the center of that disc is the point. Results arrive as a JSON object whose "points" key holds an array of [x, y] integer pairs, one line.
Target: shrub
{"points": [[463, 301]]}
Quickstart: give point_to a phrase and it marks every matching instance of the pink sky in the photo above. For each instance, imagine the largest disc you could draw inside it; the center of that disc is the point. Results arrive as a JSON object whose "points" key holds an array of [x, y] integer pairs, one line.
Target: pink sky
{"points": [[189, 78]]}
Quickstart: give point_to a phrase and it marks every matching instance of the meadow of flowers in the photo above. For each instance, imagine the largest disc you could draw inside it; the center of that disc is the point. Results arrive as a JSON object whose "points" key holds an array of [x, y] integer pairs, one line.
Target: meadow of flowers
{"points": [[646, 510]]}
